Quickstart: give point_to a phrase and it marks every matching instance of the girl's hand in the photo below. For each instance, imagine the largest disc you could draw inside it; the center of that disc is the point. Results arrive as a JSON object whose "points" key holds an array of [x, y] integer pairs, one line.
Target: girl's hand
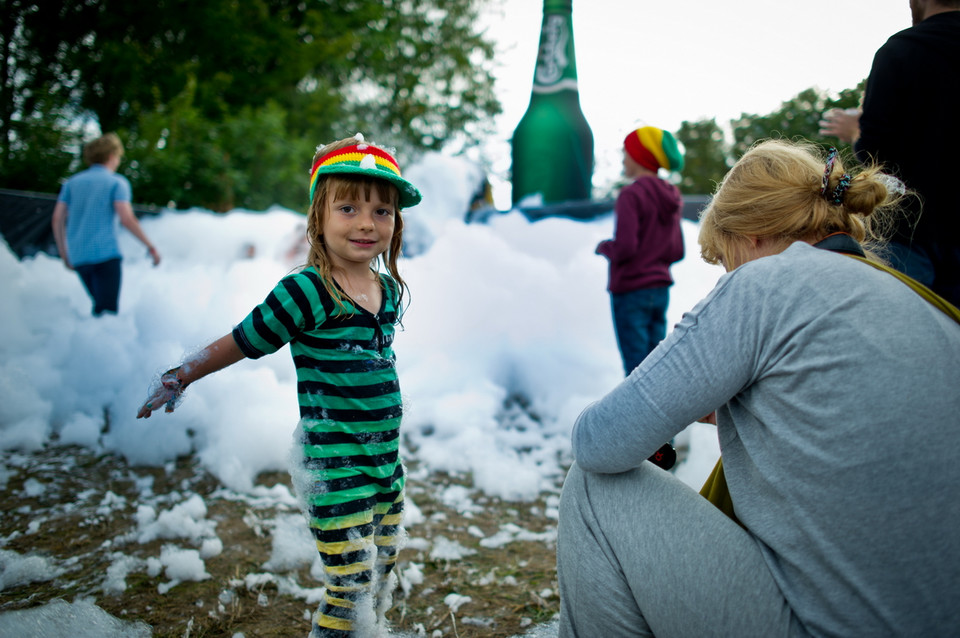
{"points": [[167, 394], [218, 355]]}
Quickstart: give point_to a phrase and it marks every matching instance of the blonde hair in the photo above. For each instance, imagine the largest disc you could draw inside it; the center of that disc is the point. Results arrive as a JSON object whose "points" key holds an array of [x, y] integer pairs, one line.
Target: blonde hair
{"points": [[339, 186], [774, 192], [100, 150]]}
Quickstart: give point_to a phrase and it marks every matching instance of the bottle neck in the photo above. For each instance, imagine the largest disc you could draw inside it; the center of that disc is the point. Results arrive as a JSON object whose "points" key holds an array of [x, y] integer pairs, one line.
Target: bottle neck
{"points": [[556, 61]]}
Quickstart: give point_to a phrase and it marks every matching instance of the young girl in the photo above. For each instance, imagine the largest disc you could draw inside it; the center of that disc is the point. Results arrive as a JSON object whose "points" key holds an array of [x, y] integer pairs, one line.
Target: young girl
{"points": [[338, 315]]}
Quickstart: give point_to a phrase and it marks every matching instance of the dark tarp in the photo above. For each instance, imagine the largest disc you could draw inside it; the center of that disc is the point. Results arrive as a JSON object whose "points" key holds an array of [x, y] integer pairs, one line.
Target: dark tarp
{"points": [[25, 221]]}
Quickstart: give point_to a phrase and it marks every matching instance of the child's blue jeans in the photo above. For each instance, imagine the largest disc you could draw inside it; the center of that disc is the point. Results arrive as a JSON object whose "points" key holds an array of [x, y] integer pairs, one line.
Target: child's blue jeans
{"points": [[640, 322]]}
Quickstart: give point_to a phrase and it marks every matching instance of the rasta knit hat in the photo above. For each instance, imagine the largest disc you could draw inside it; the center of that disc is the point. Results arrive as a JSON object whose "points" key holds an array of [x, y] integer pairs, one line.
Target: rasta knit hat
{"points": [[365, 160], [653, 148]]}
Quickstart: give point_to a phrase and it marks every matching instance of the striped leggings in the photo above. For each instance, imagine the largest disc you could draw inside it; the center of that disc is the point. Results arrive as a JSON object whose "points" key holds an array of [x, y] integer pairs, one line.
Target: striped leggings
{"points": [[358, 552]]}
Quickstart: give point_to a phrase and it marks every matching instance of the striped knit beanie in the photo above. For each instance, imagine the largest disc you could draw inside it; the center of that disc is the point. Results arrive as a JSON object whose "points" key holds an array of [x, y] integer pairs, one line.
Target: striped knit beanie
{"points": [[366, 160], [654, 148]]}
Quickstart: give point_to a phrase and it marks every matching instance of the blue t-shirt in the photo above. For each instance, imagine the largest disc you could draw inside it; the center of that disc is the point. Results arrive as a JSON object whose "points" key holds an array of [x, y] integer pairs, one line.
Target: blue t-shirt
{"points": [[91, 219]]}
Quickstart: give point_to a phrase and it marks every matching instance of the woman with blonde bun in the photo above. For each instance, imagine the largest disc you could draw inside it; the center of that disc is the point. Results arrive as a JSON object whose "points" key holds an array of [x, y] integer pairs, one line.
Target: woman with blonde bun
{"points": [[833, 386]]}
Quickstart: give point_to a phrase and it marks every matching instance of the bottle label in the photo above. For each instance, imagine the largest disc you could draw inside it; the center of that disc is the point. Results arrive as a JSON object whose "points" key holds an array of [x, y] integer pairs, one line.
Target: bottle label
{"points": [[552, 62]]}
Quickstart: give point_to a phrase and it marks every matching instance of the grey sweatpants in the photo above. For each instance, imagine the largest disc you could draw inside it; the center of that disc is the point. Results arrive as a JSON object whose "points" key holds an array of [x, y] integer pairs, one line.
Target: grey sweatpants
{"points": [[642, 554]]}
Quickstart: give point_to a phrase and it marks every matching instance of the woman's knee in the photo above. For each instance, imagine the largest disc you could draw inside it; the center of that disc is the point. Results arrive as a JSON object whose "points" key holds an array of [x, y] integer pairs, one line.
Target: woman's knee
{"points": [[585, 495]]}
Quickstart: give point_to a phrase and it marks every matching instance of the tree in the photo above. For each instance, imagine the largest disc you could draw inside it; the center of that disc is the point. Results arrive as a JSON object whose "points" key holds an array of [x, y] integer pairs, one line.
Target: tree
{"points": [[705, 158], [240, 161], [39, 133], [797, 118], [708, 154], [241, 79]]}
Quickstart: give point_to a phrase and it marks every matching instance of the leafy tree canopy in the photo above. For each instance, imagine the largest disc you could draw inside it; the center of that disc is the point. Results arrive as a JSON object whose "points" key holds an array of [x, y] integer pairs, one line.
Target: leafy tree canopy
{"points": [[221, 103], [705, 160], [797, 118], [709, 155]]}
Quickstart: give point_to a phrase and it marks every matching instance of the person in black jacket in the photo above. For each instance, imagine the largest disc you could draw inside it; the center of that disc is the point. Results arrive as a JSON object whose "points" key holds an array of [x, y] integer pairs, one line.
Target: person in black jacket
{"points": [[909, 123]]}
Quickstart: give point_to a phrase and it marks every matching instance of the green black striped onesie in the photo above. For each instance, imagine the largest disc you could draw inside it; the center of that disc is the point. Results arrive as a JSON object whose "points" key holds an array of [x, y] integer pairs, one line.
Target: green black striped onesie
{"points": [[350, 407]]}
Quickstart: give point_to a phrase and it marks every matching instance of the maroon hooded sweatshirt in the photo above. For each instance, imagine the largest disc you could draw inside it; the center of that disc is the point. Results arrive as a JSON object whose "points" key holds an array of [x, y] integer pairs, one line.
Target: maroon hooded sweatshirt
{"points": [[647, 236]]}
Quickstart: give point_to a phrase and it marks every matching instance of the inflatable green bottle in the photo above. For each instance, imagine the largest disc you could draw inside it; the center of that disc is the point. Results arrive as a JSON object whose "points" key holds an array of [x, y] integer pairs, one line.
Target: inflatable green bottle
{"points": [[552, 146]]}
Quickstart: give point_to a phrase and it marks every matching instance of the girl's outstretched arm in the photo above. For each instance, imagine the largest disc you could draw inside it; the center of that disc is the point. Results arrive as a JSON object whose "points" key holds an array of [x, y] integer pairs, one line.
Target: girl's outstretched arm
{"points": [[217, 356]]}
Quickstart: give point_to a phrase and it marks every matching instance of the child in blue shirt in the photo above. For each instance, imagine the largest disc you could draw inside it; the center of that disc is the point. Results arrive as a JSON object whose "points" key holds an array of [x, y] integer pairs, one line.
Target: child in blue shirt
{"points": [[84, 222]]}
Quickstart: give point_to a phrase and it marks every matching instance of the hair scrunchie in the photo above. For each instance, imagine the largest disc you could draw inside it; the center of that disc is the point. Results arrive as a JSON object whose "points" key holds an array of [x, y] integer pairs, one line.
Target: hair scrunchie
{"points": [[835, 196]]}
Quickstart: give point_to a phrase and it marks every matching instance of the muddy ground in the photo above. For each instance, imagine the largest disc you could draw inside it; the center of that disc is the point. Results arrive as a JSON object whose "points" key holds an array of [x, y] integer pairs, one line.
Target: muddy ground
{"points": [[52, 507]]}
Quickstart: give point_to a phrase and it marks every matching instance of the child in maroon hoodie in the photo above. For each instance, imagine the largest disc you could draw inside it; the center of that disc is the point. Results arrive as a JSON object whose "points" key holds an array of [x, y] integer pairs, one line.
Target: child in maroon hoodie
{"points": [[647, 239]]}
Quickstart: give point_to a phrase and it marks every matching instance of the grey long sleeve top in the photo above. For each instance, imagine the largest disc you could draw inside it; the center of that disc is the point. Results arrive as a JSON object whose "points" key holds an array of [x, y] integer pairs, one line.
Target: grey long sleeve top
{"points": [[838, 399]]}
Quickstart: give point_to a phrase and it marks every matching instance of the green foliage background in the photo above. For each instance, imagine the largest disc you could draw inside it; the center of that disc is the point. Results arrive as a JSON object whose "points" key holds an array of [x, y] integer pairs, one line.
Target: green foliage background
{"points": [[709, 153], [222, 103]]}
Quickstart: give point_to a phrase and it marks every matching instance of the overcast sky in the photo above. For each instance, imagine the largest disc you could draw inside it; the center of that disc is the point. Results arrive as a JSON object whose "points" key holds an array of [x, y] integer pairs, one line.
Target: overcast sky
{"points": [[660, 63]]}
